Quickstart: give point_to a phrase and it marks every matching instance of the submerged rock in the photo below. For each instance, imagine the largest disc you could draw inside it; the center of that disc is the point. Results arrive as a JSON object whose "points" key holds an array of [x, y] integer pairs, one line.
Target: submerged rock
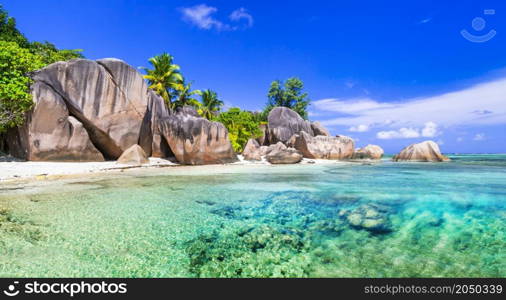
{"points": [[427, 151], [284, 123], [133, 156], [195, 140], [369, 217], [368, 152], [322, 147]]}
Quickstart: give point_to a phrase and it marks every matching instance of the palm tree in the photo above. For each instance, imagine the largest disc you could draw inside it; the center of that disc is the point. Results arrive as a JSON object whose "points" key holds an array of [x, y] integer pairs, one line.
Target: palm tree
{"points": [[165, 78], [210, 104], [185, 96]]}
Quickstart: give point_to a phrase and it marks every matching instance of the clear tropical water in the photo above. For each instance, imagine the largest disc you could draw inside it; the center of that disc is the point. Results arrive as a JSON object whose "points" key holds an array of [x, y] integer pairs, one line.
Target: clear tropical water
{"points": [[337, 220]]}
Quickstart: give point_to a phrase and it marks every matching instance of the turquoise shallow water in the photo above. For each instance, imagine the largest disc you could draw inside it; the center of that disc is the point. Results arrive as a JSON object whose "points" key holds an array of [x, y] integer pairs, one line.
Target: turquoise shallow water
{"points": [[336, 220]]}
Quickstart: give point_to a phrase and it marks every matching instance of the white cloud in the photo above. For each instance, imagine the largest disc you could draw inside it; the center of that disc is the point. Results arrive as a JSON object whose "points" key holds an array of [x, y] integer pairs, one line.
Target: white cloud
{"points": [[479, 137], [425, 21], [242, 14], [353, 106], [403, 133], [450, 109], [359, 128], [430, 130], [202, 16], [460, 139]]}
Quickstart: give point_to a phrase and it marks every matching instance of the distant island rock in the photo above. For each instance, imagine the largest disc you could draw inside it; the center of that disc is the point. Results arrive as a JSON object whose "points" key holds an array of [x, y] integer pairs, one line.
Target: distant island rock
{"points": [[427, 151]]}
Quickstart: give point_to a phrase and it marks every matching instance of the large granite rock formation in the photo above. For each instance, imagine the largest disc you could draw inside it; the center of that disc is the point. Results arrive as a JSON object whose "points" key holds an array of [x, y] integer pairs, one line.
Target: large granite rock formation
{"points": [[368, 152], [95, 110], [105, 102], [322, 147], [319, 129], [195, 140], [284, 123], [133, 156], [424, 151]]}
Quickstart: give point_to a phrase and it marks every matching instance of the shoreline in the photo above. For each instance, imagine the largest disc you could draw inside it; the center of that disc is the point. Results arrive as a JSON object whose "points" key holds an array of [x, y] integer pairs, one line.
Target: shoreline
{"points": [[12, 170]]}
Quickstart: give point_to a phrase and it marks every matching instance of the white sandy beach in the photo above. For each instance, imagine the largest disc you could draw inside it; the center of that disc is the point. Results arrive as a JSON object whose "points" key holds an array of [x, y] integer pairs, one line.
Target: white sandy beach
{"points": [[12, 169]]}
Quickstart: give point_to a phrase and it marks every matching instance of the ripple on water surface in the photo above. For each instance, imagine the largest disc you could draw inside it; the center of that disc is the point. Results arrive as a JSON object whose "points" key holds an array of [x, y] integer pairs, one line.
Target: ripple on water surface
{"points": [[386, 220]]}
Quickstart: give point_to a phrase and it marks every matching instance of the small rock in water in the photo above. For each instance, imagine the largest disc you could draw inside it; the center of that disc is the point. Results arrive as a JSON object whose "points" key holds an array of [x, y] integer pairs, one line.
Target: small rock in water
{"points": [[369, 217]]}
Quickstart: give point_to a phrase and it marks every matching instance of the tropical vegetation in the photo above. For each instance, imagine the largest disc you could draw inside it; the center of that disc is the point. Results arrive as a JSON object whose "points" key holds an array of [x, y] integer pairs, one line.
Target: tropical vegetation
{"points": [[19, 57], [165, 78], [288, 94], [210, 105], [242, 126]]}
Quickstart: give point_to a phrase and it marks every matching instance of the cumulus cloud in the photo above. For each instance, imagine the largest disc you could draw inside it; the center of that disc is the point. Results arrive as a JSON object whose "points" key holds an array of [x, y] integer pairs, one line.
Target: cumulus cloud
{"points": [[359, 128], [481, 104], [430, 130], [403, 133], [202, 16]]}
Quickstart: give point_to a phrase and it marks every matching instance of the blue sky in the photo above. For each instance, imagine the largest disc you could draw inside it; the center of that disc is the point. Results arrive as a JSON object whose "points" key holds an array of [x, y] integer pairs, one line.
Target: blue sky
{"points": [[384, 72]]}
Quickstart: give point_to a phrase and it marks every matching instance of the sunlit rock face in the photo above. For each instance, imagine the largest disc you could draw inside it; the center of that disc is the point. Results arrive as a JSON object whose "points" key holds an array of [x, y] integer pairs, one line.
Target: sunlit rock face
{"points": [[251, 150], [95, 110], [369, 152], [425, 151], [283, 123], [319, 129], [322, 147], [284, 156], [195, 140], [133, 156], [87, 110]]}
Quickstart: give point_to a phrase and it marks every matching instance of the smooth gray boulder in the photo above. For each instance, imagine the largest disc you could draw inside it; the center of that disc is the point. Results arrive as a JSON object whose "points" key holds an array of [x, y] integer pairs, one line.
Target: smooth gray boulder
{"points": [[369, 152], [322, 147], [427, 151], [284, 156], [283, 123], [195, 140], [133, 156]]}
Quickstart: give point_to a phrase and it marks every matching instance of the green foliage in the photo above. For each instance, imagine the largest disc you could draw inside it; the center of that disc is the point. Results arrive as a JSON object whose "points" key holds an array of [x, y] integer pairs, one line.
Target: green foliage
{"points": [[9, 32], [165, 78], [50, 54], [15, 100], [210, 104], [18, 57], [241, 126], [289, 95], [185, 96]]}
